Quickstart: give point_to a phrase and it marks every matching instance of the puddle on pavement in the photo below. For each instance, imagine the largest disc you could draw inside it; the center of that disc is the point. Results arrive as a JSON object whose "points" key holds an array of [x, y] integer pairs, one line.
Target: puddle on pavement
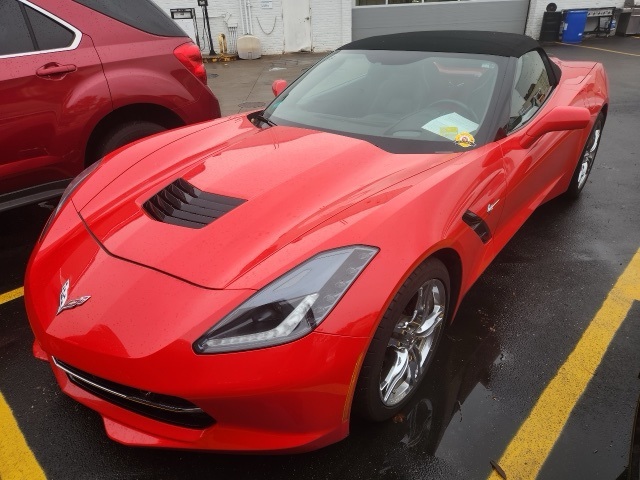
{"points": [[437, 432]]}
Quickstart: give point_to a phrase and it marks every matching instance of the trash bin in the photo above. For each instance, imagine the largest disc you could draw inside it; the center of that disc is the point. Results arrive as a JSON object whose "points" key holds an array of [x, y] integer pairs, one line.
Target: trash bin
{"points": [[573, 25]]}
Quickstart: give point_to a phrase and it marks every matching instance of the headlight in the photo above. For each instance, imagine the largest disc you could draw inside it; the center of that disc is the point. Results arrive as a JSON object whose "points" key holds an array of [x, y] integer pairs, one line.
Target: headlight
{"points": [[68, 191], [291, 306]]}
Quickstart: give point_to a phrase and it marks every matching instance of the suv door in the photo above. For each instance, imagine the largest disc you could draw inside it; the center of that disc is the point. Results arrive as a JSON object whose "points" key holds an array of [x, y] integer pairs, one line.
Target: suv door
{"points": [[51, 82]]}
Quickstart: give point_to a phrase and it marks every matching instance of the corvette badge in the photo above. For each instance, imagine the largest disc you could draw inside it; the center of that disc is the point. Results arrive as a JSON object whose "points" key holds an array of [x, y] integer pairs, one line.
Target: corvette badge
{"points": [[64, 305]]}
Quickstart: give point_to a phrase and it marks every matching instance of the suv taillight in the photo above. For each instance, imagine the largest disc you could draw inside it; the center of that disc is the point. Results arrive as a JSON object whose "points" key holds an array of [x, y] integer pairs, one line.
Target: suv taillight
{"points": [[189, 55]]}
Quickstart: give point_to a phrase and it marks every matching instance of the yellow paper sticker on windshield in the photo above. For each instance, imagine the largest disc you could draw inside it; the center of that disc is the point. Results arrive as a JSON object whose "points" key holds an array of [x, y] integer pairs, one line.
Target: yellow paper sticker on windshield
{"points": [[465, 140], [449, 132], [448, 125]]}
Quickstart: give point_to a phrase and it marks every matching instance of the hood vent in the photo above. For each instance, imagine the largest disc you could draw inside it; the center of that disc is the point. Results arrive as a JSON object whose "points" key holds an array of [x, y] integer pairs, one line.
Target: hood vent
{"points": [[182, 204]]}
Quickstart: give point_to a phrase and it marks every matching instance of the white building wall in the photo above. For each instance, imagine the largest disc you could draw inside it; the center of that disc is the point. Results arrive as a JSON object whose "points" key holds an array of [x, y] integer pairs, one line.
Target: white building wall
{"points": [[538, 7], [330, 24], [330, 21], [267, 26]]}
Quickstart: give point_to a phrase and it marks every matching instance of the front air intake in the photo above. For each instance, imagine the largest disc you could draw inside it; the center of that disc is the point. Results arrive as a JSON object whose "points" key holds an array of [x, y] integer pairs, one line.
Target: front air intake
{"points": [[164, 408], [182, 204]]}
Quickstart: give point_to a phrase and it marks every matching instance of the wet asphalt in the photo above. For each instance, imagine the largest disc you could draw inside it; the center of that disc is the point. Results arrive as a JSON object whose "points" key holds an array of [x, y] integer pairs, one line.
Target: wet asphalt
{"points": [[514, 329]]}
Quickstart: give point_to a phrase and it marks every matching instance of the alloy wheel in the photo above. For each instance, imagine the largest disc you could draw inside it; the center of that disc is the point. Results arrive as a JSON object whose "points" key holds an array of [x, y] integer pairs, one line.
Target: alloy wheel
{"points": [[412, 342], [589, 155]]}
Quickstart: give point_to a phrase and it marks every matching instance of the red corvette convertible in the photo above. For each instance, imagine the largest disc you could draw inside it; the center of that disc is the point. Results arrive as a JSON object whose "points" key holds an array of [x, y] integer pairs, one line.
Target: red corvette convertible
{"points": [[251, 283]]}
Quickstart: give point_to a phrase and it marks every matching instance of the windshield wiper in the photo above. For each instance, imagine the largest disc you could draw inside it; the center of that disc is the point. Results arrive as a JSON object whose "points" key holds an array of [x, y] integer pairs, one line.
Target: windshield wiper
{"points": [[264, 119]]}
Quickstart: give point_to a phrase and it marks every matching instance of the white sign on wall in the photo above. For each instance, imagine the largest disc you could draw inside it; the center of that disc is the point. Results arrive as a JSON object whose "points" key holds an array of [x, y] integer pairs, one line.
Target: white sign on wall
{"points": [[266, 3]]}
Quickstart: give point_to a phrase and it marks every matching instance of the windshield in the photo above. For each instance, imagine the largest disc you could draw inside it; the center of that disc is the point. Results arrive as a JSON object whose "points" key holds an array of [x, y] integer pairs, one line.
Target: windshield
{"points": [[400, 101]]}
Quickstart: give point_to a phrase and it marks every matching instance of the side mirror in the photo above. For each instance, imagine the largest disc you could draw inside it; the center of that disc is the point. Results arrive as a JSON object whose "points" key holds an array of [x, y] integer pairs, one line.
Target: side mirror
{"points": [[558, 119], [278, 86]]}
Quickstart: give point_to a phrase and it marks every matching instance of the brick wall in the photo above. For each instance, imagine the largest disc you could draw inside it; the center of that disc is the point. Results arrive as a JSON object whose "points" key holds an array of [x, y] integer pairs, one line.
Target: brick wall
{"points": [[330, 22], [538, 7]]}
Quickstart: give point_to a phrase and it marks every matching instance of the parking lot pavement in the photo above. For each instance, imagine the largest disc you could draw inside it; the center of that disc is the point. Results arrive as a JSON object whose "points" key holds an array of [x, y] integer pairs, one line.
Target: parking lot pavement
{"points": [[568, 272], [244, 85]]}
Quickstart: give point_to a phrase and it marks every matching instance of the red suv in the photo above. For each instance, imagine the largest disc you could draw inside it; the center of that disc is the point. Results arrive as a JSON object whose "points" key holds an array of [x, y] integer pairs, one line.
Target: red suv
{"points": [[80, 78]]}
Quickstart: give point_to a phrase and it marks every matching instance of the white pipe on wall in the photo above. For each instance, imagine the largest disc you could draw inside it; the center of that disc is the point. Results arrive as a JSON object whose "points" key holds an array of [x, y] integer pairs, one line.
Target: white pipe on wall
{"points": [[243, 17], [246, 10], [250, 19]]}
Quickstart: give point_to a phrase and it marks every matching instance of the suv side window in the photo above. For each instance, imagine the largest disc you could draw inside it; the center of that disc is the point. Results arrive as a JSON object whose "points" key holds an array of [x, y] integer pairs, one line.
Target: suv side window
{"points": [[14, 33], [49, 35], [24, 30], [531, 87], [144, 15]]}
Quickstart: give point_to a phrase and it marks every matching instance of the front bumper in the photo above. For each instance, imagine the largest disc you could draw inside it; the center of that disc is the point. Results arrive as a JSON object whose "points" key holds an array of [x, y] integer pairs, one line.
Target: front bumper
{"points": [[137, 331], [281, 413]]}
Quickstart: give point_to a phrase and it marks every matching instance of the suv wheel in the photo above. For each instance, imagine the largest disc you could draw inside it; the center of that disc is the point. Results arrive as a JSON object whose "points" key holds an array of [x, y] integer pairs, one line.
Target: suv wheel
{"points": [[122, 135]]}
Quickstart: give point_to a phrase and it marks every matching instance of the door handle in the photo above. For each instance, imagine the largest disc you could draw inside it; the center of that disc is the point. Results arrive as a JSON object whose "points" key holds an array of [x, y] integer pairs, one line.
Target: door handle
{"points": [[55, 69]]}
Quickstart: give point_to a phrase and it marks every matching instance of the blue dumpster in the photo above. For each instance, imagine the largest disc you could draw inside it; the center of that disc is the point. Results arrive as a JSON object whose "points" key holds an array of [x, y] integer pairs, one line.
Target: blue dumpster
{"points": [[573, 25]]}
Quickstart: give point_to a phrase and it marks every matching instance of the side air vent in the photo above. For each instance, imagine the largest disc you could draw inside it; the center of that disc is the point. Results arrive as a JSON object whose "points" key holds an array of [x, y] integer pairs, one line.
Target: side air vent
{"points": [[478, 225], [180, 203]]}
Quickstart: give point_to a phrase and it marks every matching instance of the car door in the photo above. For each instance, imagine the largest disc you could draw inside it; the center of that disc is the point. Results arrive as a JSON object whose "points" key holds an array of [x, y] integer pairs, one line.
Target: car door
{"points": [[531, 173], [45, 67]]}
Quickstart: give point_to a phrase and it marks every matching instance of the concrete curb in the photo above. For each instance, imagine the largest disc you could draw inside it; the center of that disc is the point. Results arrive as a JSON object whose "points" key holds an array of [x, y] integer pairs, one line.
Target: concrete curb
{"points": [[222, 57]]}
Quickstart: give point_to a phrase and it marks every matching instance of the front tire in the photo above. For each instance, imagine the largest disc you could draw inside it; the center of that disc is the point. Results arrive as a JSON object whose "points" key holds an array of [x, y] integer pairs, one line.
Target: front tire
{"points": [[122, 135], [587, 158], [404, 344]]}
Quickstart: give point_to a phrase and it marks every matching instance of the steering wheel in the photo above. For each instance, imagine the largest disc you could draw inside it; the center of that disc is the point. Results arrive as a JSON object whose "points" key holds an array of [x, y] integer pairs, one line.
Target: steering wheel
{"points": [[462, 109]]}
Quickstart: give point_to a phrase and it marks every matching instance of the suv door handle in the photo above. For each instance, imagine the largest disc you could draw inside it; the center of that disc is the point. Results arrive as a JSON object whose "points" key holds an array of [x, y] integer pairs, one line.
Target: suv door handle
{"points": [[54, 69]]}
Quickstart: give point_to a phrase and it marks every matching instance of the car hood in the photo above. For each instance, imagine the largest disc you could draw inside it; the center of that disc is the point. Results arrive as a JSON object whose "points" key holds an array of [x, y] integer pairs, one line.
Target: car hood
{"points": [[291, 180]]}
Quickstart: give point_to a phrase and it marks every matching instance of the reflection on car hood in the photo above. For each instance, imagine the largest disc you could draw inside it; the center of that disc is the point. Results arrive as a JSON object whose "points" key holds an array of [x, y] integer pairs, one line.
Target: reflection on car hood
{"points": [[292, 180]]}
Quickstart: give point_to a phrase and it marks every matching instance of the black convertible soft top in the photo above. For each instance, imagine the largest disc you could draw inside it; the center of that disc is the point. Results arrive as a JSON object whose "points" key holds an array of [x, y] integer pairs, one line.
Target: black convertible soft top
{"points": [[451, 41]]}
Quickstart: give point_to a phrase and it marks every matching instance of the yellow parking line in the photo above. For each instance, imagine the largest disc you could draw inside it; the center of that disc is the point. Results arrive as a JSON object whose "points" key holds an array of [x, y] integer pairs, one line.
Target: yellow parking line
{"points": [[533, 442], [16, 459], [602, 49], [12, 295]]}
